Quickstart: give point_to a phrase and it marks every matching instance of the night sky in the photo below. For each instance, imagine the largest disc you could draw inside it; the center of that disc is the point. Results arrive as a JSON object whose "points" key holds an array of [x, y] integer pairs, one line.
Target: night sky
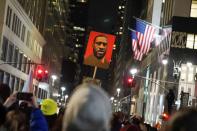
{"points": [[101, 18], [102, 15]]}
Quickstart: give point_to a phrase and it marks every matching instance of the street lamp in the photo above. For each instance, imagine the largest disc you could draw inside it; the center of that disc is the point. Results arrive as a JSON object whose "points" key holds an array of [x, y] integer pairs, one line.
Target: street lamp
{"points": [[165, 61], [63, 88], [118, 91], [56, 95], [112, 99], [133, 71], [66, 97], [54, 77], [189, 64]]}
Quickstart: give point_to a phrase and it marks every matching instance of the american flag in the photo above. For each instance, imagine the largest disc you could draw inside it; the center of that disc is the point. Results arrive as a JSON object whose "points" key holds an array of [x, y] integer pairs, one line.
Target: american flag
{"points": [[28, 86], [163, 42], [135, 46], [145, 34]]}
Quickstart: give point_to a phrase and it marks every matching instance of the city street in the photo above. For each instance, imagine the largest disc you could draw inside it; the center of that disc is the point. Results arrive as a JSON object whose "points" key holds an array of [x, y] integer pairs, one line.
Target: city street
{"points": [[98, 65]]}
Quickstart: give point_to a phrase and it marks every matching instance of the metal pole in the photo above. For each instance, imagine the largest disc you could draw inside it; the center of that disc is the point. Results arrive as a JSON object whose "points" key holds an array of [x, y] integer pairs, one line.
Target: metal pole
{"points": [[32, 63], [95, 69]]}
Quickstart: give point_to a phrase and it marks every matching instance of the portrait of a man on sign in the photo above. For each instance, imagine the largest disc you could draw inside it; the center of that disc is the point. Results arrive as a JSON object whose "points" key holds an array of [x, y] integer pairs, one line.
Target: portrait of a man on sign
{"points": [[99, 49]]}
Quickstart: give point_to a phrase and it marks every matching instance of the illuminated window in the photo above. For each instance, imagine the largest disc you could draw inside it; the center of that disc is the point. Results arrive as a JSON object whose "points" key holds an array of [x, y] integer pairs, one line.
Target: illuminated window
{"points": [[190, 77], [194, 9], [191, 69], [183, 76], [183, 68], [195, 42], [191, 41]]}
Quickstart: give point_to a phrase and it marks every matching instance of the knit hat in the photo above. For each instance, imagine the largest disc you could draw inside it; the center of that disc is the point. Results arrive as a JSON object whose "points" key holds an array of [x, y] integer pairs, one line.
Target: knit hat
{"points": [[89, 109], [48, 107]]}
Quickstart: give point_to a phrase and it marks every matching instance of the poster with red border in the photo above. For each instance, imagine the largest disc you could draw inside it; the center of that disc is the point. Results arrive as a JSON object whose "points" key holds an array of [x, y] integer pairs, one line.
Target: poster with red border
{"points": [[89, 59]]}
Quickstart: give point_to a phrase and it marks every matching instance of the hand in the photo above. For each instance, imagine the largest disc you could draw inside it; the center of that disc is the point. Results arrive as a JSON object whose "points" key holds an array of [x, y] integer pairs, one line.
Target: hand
{"points": [[10, 100], [33, 102]]}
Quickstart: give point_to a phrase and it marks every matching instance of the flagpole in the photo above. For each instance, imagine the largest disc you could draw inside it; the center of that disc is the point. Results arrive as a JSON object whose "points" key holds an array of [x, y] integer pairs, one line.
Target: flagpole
{"points": [[131, 29], [167, 26], [94, 74], [147, 22]]}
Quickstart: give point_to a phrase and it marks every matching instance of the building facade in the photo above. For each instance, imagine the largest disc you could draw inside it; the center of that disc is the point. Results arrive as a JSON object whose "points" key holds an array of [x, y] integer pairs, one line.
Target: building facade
{"points": [[179, 73], [21, 43]]}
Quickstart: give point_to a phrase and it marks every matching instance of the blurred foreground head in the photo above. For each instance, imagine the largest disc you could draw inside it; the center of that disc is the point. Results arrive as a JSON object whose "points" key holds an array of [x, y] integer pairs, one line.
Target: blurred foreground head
{"points": [[184, 120], [89, 109]]}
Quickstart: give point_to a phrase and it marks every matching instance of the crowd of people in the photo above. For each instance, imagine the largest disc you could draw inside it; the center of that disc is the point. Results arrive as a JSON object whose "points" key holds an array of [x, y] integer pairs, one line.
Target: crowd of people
{"points": [[88, 109]]}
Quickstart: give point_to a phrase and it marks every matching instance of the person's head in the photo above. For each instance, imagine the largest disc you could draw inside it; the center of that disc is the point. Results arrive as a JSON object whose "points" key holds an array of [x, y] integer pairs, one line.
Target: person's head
{"points": [[184, 120], [16, 121], [4, 92], [100, 46], [49, 110], [49, 107], [89, 109]]}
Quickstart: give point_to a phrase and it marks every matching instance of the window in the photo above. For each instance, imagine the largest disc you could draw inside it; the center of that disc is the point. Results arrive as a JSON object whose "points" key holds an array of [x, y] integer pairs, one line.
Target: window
{"points": [[25, 65], [190, 77], [23, 33], [4, 48], [10, 52], [28, 66], [193, 9], [183, 76], [19, 28], [13, 22], [16, 53], [20, 61], [8, 16], [28, 38], [16, 25], [39, 93], [191, 41], [6, 78], [12, 80], [17, 84]]}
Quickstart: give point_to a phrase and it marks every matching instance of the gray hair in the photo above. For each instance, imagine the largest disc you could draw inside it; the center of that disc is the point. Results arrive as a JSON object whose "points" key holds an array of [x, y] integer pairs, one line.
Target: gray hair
{"points": [[89, 109]]}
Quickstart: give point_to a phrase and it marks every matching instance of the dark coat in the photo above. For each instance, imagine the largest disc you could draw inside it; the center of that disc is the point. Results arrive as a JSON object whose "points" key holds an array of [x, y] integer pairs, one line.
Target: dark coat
{"points": [[38, 122]]}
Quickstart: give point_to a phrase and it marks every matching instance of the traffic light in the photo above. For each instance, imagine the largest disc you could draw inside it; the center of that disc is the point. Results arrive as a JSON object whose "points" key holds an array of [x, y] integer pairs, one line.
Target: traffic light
{"points": [[130, 82], [164, 116], [41, 73], [46, 75]]}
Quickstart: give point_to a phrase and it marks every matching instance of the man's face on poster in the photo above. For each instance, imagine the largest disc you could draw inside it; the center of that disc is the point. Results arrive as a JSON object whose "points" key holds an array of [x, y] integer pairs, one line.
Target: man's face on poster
{"points": [[100, 46]]}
